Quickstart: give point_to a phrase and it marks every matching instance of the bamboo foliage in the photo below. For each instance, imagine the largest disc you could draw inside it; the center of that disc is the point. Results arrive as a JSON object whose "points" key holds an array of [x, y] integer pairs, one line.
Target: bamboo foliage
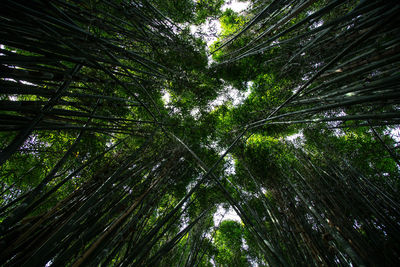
{"points": [[109, 212], [339, 56], [122, 187], [85, 38], [61, 57], [334, 65]]}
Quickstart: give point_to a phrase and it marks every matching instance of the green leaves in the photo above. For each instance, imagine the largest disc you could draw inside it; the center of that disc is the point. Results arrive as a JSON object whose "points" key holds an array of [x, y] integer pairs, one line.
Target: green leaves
{"points": [[229, 243], [100, 168]]}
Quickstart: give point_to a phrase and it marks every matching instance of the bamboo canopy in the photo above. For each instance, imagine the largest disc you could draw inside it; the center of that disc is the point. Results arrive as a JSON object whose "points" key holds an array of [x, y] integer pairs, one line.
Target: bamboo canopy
{"points": [[97, 169]]}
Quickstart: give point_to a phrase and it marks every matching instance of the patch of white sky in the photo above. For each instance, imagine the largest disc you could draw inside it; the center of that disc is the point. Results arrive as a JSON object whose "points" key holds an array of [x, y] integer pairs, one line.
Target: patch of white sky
{"points": [[210, 31], [231, 94], [212, 28], [195, 113], [316, 24], [223, 214], [296, 139], [394, 133], [293, 137], [214, 145], [166, 97], [335, 124], [229, 165]]}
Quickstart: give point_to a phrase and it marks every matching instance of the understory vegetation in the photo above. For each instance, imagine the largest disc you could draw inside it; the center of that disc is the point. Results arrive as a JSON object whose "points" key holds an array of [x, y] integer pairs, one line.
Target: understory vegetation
{"points": [[128, 138]]}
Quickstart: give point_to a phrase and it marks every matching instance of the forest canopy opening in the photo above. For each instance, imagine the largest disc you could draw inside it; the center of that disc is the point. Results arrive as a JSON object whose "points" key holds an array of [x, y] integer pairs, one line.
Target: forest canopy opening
{"points": [[199, 133]]}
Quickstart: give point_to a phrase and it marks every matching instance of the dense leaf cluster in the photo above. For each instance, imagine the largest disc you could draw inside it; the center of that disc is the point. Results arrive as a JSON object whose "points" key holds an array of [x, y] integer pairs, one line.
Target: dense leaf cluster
{"points": [[126, 141]]}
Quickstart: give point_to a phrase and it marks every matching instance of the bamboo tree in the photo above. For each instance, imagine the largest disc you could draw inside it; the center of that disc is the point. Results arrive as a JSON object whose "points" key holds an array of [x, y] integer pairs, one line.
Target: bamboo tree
{"points": [[97, 169]]}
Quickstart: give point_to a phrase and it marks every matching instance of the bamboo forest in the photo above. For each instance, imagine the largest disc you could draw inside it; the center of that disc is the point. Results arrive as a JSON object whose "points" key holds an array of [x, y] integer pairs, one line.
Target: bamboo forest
{"points": [[185, 133]]}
